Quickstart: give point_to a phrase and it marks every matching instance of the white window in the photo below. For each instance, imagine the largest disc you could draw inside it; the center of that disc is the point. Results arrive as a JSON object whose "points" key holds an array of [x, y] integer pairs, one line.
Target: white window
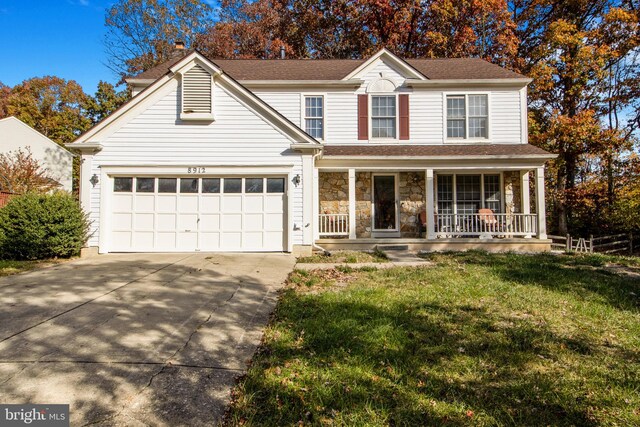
{"points": [[467, 116], [383, 116], [314, 116], [464, 194]]}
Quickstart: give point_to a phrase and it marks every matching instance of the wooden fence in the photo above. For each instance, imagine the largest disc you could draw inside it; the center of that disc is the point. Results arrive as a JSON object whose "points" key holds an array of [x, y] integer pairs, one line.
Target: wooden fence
{"points": [[614, 244]]}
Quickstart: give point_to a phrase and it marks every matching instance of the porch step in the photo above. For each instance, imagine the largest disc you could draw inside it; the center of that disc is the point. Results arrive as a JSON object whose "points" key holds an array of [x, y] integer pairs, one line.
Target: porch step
{"points": [[386, 248]]}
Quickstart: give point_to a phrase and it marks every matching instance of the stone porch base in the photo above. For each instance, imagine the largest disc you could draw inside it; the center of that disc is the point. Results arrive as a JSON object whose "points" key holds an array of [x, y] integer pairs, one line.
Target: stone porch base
{"points": [[440, 245]]}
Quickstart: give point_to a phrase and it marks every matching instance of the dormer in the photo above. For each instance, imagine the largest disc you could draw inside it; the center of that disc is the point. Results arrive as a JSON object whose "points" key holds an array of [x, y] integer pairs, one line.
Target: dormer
{"points": [[196, 94]]}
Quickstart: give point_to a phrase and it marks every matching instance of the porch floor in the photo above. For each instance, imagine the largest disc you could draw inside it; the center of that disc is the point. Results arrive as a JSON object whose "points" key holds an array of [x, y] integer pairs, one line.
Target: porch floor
{"points": [[438, 245]]}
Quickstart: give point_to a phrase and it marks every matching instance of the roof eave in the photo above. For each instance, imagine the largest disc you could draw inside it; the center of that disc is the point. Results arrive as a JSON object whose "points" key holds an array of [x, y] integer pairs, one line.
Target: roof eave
{"points": [[85, 147], [302, 83], [518, 82], [482, 157]]}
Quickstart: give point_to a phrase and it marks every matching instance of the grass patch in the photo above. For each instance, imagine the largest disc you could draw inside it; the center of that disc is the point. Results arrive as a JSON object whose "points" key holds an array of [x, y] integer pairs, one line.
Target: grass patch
{"points": [[345, 257], [475, 339], [8, 268]]}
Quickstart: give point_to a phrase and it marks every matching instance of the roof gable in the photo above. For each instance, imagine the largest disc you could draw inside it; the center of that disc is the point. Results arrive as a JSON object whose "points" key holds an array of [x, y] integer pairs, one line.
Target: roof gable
{"points": [[177, 68], [391, 60]]}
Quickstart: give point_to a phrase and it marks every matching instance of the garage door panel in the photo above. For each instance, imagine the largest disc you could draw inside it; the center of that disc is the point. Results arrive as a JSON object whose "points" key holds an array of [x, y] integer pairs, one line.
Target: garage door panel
{"points": [[209, 241], [188, 204], [145, 203], [188, 222], [122, 221], [232, 222], [173, 218], [210, 204], [232, 204], [274, 204], [253, 240], [166, 203], [254, 204], [209, 222], [231, 240], [187, 241], [143, 240], [253, 222], [122, 202], [144, 222], [166, 222], [166, 240]]}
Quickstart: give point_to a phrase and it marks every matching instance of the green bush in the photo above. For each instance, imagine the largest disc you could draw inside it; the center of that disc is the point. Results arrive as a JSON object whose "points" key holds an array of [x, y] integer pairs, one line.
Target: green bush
{"points": [[38, 226]]}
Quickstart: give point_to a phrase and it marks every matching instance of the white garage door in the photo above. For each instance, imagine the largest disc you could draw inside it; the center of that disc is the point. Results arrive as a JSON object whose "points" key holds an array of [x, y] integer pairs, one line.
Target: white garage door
{"points": [[198, 214]]}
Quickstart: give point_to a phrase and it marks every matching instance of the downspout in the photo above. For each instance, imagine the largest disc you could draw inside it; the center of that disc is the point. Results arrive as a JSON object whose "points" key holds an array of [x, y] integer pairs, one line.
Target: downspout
{"points": [[316, 188]]}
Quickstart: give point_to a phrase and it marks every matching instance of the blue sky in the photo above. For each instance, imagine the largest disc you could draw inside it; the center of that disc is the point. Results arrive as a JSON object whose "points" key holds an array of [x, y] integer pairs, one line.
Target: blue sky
{"points": [[63, 38]]}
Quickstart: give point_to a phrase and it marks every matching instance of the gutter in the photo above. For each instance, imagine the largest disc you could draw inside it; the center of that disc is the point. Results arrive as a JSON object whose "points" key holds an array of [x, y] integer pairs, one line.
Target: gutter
{"points": [[468, 82]]}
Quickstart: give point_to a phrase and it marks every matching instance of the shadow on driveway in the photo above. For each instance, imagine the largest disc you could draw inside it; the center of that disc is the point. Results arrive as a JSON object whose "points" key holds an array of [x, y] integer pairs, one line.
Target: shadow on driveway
{"points": [[136, 338]]}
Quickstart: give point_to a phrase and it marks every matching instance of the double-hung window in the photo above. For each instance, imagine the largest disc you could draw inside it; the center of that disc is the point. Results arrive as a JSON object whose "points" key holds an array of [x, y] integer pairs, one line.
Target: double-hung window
{"points": [[314, 116], [467, 116], [464, 194], [383, 116]]}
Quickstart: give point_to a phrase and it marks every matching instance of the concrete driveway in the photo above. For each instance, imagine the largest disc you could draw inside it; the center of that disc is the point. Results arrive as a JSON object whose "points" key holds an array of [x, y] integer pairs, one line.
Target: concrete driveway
{"points": [[136, 339]]}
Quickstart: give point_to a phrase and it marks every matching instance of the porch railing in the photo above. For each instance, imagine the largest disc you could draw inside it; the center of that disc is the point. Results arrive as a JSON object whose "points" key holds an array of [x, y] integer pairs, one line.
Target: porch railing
{"points": [[334, 224], [489, 225]]}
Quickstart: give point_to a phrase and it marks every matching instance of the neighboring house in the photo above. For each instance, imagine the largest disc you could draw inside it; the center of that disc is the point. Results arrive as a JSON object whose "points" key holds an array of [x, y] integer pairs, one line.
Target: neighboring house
{"points": [[58, 162], [282, 155]]}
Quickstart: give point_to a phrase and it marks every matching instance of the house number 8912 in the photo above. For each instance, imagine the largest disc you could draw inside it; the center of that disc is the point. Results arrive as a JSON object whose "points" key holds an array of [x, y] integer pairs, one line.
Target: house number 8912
{"points": [[197, 169]]}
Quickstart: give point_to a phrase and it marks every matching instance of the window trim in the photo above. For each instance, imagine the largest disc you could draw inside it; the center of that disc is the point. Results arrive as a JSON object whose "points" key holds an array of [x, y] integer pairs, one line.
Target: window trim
{"points": [[373, 139], [303, 113], [466, 139], [454, 191]]}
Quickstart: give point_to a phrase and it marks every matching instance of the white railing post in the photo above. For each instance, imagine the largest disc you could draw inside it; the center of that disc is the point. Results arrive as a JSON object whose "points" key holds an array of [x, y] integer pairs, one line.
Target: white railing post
{"points": [[352, 203], [431, 226], [540, 203]]}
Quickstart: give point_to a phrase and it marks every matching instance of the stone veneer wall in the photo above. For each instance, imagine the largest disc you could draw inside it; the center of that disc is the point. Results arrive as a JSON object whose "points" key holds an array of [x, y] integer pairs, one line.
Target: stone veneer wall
{"points": [[412, 202], [334, 192], [512, 192], [363, 204]]}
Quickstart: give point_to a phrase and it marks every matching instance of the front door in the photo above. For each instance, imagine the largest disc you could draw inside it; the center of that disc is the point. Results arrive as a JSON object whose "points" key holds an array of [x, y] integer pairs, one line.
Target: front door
{"points": [[385, 204]]}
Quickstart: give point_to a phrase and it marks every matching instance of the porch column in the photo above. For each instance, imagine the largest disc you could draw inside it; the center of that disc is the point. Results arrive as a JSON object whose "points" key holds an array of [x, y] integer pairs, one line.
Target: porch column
{"points": [[540, 205], [526, 201], [86, 165], [431, 226], [316, 204], [352, 203]]}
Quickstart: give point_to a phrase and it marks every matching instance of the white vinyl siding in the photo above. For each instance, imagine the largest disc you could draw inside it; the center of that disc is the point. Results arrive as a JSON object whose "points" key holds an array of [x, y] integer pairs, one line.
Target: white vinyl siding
{"points": [[237, 137], [196, 91]]}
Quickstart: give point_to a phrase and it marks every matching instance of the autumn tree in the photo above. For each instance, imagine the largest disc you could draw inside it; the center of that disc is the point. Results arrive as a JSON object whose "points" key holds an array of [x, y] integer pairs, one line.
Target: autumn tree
{"points": [[51, 105], [572, 51], [105, 101], [142, 33], [20, 173], [356, 28]]}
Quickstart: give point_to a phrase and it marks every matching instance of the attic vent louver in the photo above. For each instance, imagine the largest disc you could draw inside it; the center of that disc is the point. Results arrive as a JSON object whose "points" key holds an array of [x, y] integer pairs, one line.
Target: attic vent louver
{"points": [[196, 95]]}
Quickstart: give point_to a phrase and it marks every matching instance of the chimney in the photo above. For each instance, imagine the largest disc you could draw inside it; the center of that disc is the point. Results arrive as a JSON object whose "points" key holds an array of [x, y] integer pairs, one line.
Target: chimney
{"points": [[179, 45], [282, 52]]}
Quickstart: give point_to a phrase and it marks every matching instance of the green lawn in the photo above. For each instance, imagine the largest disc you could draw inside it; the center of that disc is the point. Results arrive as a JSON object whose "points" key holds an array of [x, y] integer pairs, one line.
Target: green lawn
{"points": [[8, 268], [347, 257], [475, 339]]}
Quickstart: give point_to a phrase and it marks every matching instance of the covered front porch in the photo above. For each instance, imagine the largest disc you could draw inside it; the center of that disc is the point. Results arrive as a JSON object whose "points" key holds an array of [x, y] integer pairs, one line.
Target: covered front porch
{"points": [[432, 208]]}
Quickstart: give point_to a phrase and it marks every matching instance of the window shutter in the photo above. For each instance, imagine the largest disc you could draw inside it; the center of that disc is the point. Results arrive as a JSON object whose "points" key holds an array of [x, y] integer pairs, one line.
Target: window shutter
{"points": [[196, 91], [363, 117], [404, 116]]}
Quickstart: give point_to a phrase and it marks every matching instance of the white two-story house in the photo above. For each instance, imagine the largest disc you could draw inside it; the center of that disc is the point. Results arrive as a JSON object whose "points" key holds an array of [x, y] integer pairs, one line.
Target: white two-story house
{"points": [[292, 155]]}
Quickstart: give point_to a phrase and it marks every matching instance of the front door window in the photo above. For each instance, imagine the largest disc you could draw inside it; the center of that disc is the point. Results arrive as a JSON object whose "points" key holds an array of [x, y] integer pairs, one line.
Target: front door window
{"points": [[384, 199]]}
